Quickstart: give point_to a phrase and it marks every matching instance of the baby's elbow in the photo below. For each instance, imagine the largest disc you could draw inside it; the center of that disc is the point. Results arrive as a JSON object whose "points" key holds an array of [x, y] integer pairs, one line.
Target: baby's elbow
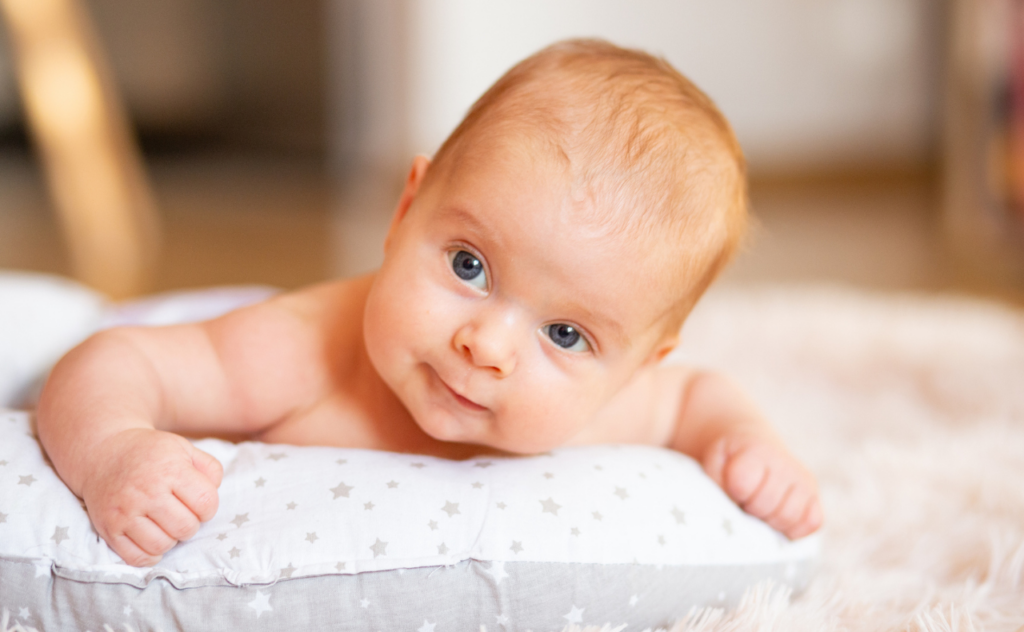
{"points": [[112, 354]]}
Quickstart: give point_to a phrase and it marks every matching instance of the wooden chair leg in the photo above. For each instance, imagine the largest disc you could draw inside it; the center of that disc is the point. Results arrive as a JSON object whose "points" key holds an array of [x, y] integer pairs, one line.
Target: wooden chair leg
{"points": [[93, 166]]}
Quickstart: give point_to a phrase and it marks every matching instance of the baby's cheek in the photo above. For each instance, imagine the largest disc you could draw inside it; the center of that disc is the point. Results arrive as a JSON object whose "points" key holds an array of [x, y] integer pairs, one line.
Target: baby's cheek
{"points": [[394, 330], [542, 422]]}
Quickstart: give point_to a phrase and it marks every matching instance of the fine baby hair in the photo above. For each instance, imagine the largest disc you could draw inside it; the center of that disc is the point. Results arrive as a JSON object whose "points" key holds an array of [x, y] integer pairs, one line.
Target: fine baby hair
{"points": [[633, 127]]}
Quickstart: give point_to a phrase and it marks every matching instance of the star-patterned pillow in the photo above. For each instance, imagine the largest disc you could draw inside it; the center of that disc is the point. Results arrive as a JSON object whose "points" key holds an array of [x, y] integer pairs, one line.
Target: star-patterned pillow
{"points": [[310, 537]]}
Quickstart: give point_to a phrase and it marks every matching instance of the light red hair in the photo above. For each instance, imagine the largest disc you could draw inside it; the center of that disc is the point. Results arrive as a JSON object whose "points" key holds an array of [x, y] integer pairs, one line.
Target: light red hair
{"points": [[633, 123]]}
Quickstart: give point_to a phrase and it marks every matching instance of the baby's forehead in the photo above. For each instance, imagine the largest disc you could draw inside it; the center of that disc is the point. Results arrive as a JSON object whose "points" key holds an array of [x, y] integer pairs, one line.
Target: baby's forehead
{"points": [[643, 209]]}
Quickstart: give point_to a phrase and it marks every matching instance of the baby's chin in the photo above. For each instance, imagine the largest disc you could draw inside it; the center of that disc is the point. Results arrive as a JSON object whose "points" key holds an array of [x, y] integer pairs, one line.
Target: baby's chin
{"points": [[460, 432]]}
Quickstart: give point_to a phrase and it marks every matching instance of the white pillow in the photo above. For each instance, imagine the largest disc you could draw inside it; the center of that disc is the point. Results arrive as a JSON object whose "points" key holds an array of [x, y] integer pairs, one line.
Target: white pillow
{"points": [[41, 317], [309, 538]]}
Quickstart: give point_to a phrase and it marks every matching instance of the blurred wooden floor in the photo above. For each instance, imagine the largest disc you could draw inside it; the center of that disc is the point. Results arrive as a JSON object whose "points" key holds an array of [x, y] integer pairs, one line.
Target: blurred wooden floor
{"points": [[230, 220], [225, 221]]}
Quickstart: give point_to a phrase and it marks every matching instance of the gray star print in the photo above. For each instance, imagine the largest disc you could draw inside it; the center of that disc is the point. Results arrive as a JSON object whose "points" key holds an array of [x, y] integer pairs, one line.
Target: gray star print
{"points": [[550, 506], [340, 566], [379, 548], [597, 515], [2, 463], [501, 505], [241, 519], [59, 535], [3, 517], [234, 552], [450, 508], [368, 506], [311, 537], [26, 480], [392, 484], [291, 505], [477, 485], [575, 531], [727, 526], [277, 456], [680, 516], [341, 490], [516, 547], [260, 482], [483, 464], [661, 540], [417, 465], [442, 549], [433, 525], [341, 461], [222, 536], [287, 570], [621, 493], [548, 475]]}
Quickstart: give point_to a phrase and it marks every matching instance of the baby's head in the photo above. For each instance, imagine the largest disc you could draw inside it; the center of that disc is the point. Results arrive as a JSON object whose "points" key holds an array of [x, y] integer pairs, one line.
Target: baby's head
{"points": [[554, 246]]}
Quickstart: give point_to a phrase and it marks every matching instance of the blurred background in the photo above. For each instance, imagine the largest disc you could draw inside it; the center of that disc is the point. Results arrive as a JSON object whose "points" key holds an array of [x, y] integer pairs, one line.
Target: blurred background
{"points": [[275, 134]]}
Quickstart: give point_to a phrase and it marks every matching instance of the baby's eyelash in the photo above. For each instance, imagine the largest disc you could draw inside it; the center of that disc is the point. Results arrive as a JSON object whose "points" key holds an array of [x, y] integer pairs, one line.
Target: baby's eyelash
{"points": [[582, 336]]}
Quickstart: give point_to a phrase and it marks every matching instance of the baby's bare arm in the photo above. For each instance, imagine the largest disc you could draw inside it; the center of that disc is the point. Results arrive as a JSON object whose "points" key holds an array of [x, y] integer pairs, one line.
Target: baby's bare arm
{"points": [[108, 411], [705, 416], [718, 426]]}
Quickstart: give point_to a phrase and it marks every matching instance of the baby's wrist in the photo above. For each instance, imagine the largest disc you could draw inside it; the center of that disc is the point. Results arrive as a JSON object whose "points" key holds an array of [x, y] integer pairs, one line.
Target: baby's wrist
{"points": [[91, 460]]}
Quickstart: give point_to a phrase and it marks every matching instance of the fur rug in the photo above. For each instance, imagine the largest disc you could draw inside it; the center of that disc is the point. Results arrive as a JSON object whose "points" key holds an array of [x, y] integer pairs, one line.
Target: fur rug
{"points": [[911, 412]]}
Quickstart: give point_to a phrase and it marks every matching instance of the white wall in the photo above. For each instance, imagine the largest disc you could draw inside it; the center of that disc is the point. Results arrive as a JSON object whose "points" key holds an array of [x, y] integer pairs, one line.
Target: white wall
{"points": [[808, 84]]}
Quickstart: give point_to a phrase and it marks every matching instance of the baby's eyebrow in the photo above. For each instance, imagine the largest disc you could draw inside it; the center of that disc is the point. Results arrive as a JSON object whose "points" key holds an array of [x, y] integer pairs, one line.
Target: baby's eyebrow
{"points": [[462, 216]]}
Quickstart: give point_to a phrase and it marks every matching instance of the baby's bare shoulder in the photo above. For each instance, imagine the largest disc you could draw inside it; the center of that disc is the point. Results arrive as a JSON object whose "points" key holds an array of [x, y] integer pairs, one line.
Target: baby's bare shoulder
{"points": [[280, 355], [311, 316], [322, 302]]}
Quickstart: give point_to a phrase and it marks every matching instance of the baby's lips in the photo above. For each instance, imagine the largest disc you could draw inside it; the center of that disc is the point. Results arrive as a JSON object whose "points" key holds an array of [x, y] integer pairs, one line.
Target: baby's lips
{"points": [[461, 399]]}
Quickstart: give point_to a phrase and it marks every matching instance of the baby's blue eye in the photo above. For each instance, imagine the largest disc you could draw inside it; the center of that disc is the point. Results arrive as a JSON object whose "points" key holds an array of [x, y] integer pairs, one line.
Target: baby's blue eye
{"points": [[567, 337], [468, 268]]}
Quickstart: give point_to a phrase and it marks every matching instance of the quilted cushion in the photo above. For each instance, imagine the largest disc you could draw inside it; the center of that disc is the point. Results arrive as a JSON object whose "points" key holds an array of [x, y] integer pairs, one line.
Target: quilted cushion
{"points": [[363, 540]]}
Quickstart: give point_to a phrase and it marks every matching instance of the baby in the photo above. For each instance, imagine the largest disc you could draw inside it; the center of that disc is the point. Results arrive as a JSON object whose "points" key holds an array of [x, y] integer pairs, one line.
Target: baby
{"points": [[536, 271]]}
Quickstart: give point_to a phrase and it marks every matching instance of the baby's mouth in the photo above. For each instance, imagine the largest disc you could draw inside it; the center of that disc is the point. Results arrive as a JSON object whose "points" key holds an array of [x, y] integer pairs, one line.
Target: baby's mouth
{"points": [[467, 403]]}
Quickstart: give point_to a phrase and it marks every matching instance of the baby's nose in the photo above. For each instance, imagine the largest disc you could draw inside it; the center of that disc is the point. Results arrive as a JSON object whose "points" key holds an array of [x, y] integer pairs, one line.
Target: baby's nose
{"points": [[490, 342]]}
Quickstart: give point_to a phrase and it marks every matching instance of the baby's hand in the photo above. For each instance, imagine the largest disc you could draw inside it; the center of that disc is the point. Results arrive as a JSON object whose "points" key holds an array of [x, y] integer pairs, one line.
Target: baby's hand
{"points": [[149, 490], [767, 482]]}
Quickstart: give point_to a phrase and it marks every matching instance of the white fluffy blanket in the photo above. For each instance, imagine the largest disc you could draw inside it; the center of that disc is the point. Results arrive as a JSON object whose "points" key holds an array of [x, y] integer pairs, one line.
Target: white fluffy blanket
{"points": [[911, 412]]}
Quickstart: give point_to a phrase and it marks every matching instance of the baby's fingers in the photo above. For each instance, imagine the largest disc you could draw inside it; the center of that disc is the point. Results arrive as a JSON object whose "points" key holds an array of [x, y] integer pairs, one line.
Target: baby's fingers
{"points": [[142, 543], [131, 553], [769, 497], [810, 522], [175, 519], [745, 476], [207, 466], [791, 510], [714, 463], [196, 492], [149, 537]]}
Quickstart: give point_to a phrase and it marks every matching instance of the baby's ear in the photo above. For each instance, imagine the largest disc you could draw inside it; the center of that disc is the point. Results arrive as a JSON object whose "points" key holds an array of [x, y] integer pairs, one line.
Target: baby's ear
{"points": [[417, 173], [662, 349]]}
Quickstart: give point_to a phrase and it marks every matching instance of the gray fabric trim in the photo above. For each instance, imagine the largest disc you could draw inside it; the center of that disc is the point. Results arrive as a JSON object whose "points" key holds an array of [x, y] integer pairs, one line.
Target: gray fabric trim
{"points": [[524, 595]]}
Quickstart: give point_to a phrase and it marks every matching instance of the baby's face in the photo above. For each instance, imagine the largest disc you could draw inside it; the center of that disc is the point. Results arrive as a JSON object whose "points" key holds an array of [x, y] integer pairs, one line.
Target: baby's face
{"points": [[499, 317]]}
